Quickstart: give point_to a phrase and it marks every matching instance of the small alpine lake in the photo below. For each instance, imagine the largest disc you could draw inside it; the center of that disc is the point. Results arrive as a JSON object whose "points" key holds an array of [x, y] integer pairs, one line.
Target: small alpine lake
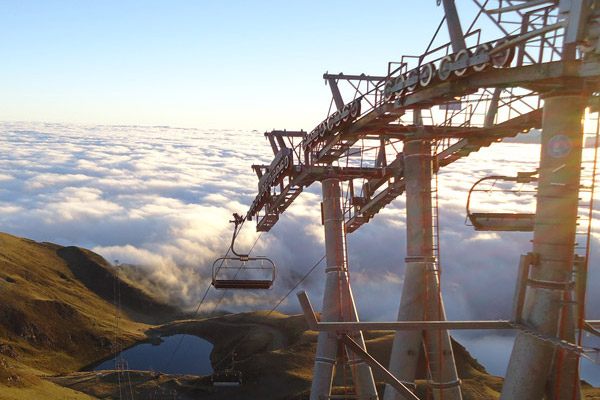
{"points": [[177, 354]]}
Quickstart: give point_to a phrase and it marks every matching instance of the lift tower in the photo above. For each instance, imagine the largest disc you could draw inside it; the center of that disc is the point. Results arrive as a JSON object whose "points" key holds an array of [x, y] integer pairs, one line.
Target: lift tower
{"points": [[421, 295], [553, 256], [393, 136]]}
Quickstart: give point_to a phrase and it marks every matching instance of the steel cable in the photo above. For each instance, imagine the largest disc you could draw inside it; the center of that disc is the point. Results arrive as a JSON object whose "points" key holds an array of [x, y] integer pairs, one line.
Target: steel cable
{"points": [[276, 306], [236, 233]]}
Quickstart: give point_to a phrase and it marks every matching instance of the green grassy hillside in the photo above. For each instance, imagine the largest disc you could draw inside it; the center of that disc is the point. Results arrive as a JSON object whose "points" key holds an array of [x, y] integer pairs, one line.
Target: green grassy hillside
{"points": [[57, 314]]}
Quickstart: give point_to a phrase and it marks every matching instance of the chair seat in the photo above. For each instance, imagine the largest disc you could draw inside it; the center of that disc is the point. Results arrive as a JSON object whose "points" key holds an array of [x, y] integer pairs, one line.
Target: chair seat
{"points": [[517, 222], [242, 284]]}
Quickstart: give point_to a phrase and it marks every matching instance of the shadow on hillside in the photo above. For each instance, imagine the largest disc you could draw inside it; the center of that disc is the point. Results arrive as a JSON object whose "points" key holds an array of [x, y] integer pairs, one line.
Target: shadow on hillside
{"points": [[99, 276]]}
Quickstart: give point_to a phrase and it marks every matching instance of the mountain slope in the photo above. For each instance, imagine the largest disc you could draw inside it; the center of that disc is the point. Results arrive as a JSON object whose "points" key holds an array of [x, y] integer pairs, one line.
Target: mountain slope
{"points": [[56, 311], [96, 274]]}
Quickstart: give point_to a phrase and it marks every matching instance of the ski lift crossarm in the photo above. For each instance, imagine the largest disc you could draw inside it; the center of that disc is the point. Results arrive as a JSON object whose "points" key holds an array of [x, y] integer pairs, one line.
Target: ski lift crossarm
{"points": [[346, 327]]}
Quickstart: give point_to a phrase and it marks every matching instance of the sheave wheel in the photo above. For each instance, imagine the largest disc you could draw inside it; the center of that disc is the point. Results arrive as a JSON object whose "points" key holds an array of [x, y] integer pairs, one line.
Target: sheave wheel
{"points": [[426, 74], [462, 55], [444, 70], [481, 49], [504, 57]]}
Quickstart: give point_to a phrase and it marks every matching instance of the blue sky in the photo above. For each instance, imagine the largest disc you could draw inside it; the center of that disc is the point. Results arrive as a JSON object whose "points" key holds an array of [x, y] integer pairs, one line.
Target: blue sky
{"points": [[205, 64]]}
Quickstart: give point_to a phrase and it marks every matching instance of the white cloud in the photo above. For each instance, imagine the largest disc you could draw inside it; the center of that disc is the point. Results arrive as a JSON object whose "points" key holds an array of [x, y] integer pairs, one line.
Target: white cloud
{"points": [[161, 198]]}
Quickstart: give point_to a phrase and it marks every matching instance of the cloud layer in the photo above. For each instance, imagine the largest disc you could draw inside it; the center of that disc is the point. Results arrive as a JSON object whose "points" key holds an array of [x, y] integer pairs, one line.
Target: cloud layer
{"points": [[161, 198]]}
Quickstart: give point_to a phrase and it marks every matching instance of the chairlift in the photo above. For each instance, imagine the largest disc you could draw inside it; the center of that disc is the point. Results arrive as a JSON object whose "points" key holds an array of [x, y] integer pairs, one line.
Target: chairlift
{"points": [[503, 221], [162, 393], [227, 377], [242, 271]]}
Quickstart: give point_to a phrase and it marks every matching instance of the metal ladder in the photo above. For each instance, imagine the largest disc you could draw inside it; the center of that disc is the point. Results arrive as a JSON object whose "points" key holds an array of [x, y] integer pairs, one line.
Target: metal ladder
{"points": [[434, 352], [347, 357]]}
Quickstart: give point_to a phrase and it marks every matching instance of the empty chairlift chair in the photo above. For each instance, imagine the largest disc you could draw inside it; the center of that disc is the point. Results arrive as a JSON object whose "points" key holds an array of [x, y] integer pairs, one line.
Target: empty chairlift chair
{"points": [[522, 184], [227, 377], [241, 271]]}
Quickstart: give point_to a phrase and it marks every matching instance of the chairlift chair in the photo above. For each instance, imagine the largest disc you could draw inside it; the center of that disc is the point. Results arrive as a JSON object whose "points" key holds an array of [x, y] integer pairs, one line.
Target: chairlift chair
{"points": [[227, 377], [241, 271], [244, 275], [502, 221], [162, 393]]}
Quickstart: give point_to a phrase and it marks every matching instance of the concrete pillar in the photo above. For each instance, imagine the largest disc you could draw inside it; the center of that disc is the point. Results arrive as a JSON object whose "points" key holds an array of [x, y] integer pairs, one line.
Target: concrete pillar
{"points": [[420, 290], [553, 241], [338, 303]]}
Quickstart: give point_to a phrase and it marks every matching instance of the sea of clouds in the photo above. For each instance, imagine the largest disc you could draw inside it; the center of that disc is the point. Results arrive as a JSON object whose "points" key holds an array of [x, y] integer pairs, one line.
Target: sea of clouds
{"points": [[160, 198]]}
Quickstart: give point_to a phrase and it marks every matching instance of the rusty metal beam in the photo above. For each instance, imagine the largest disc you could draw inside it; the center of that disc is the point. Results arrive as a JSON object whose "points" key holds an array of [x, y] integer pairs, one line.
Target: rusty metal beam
{"points": [[280, 141], [493, 109], [350, 132], [382, 199], [527, 36], [258, 170], [374, 364], [394, 168], [361, 77], [298, 134], [457, 37], [315, 325], [304, 176], [272, 143], [516, 7], [335, 92], [552, 75]]}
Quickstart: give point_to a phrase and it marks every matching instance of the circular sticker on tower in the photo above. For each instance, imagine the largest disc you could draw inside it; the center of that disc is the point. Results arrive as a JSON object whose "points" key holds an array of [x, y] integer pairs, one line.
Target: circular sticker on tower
{"points": [[559, 146]]}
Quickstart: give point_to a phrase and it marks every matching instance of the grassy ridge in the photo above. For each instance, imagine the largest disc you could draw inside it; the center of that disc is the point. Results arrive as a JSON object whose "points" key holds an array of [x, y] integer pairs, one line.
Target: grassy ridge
{"points": [[52, 322]]}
